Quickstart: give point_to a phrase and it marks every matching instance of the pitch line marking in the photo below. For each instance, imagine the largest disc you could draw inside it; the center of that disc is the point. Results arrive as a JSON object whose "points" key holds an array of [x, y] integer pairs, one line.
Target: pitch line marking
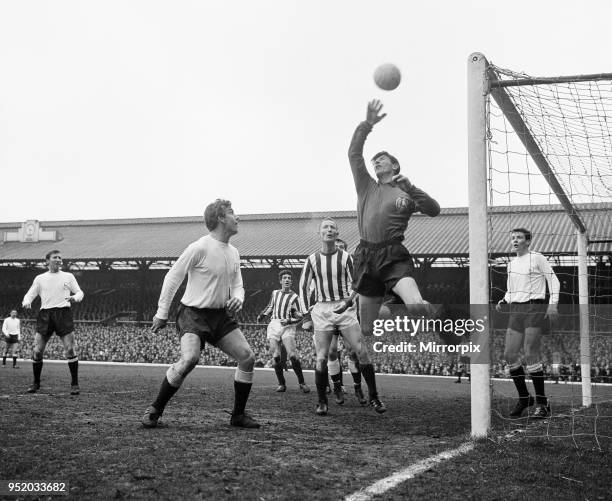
{"points": [[385, 484]]}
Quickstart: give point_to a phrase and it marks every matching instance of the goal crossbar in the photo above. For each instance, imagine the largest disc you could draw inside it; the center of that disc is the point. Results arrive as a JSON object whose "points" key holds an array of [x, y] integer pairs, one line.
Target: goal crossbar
{"points": [[496, 83]]}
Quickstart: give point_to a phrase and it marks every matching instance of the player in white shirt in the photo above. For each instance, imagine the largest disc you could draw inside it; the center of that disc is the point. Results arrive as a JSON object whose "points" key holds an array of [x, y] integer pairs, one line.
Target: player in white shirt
{"points": [[330, 269], [284, 307], [57, 290], [214, 293], [11, 329], [528, 275]]}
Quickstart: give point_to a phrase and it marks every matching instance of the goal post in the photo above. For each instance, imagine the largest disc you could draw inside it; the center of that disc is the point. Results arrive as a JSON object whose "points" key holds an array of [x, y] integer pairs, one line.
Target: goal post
{"points": [[562, 125], [478, 234]]}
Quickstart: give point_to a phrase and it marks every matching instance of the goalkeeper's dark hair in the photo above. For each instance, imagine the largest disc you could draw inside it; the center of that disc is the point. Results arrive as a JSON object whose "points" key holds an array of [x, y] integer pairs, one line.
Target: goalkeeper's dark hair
{"points": [[394, 160]]}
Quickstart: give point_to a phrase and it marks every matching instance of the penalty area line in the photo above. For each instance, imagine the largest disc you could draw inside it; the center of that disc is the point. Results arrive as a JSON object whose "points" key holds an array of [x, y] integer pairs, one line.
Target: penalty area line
{"points": [[385, 484]]}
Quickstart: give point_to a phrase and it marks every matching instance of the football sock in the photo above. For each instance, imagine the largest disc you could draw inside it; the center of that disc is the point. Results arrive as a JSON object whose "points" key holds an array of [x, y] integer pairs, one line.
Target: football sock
{"points": [[278, 370], [14, 361], [4, 360], [37, 369], [241, 395], [166, 391], [321, 384], [518, 376], [333, 367], [73, 365], [537, 377], [355, 373], [297, 368], [370, 378]]}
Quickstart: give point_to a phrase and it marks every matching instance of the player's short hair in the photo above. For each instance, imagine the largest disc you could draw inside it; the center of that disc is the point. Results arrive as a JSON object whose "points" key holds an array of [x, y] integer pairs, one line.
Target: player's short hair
{"points": [[13, 310], [394, 160], [327, 218], [524, 231], [340, 241], [214, 211], [51, 253], [282, 273]]}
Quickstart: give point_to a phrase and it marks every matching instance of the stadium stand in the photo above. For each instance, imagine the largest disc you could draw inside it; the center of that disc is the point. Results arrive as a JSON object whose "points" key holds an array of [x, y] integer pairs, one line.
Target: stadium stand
{"points": [[120, 264]]}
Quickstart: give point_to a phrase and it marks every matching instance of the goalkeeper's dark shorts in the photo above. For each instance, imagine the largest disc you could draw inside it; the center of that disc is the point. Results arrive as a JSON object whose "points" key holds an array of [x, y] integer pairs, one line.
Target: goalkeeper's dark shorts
{"points": [[378, 267], [209, 324]]}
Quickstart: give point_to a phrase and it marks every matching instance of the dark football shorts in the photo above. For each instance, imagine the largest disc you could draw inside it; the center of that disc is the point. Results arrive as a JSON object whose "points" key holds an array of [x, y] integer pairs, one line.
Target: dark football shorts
{"points": [[379, 267], [209, 324], [12, 339], [529, 314], [55, 320]]}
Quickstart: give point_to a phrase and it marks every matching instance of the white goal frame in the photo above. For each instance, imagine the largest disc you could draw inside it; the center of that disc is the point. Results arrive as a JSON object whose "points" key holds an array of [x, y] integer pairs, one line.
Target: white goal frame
{"points": [[482, 83]]}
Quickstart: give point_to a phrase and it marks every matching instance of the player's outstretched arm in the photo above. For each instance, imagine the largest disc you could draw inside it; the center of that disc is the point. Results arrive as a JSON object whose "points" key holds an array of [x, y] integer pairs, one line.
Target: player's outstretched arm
{"points": [[360, 172]]}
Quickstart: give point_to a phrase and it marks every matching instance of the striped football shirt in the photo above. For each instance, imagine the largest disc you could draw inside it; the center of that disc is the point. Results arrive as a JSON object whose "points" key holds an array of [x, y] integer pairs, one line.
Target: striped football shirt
{"points": [[331, 274], [282, 303]]}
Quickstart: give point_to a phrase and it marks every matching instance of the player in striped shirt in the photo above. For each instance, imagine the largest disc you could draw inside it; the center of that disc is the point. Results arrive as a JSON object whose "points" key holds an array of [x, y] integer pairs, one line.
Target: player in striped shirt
{"points": [[528, 275], [284, 307], [331, 269]]}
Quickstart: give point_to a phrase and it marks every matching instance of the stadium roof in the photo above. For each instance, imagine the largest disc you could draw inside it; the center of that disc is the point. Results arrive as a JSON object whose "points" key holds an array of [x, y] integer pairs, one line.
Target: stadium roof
{"points": [[294, 235]]}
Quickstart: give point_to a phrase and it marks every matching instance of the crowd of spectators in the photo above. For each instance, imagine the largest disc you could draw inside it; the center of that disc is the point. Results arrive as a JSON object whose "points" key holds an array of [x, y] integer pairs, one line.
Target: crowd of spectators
{"points": [[118, 303], [133, 342]]}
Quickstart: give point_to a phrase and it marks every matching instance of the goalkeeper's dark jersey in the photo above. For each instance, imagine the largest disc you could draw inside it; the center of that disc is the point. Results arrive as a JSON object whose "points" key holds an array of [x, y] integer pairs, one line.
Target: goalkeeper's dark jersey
{"points": [[383, 210]]}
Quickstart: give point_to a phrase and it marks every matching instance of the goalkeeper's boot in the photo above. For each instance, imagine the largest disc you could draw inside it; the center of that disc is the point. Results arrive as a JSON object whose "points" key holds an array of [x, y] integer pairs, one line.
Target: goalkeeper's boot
{"points": [[74, 389], [521, 405], [281, 388]]}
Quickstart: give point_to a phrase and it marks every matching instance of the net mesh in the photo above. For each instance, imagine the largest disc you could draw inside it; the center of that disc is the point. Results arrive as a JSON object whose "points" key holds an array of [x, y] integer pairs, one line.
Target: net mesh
{"points": [[570, 124]]}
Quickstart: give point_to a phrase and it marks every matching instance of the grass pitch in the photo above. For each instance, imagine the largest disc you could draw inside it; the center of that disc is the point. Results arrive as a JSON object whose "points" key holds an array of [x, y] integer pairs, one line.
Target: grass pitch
{"points": [[94, 441]]}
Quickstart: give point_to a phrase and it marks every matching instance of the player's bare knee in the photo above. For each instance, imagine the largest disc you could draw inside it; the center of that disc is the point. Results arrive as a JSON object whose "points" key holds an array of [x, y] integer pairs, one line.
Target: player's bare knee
{"points": [[246, 359], [532, 353], [367, 328], [362, 355], [187, 363]]}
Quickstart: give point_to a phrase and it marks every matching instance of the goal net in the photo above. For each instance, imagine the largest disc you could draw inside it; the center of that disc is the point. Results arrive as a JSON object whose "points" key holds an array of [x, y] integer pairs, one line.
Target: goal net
{"points": [[540, 158]]}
